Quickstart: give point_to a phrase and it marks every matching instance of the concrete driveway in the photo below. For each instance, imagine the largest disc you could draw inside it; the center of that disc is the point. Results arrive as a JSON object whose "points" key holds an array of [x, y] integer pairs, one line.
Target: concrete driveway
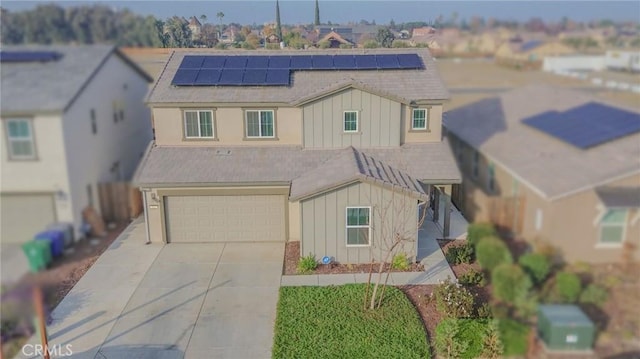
{"points": [[173, 301]]}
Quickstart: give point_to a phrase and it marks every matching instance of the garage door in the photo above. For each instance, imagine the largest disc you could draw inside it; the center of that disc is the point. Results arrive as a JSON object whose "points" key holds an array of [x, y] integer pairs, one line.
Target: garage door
{"points": [[256, 218], [25, 215]]}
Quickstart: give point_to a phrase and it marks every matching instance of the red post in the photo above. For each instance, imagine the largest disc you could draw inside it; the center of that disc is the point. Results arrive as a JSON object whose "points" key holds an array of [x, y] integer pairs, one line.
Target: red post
{"points": [[38, 302]]}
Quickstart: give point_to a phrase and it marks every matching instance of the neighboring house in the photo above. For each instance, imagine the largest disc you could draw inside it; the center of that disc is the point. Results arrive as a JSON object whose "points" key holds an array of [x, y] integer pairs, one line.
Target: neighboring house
{"points": [[335, 40], [356, 34], [529, 54], [423, 31], [623, 60], [195, 26], [339, 160], [578, 189], [72, 117]]}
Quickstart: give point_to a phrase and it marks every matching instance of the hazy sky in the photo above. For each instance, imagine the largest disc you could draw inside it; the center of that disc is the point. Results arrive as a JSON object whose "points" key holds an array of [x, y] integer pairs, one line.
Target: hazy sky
{"points": [[301, 11]]}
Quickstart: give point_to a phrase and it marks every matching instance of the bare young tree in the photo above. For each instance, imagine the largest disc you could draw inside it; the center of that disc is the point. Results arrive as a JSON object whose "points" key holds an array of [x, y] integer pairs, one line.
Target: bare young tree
{"points": [[394, 225]]}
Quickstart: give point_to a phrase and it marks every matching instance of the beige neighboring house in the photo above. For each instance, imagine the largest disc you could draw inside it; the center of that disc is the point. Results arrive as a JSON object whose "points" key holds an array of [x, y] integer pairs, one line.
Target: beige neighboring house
{"points": [[338, 160], [584, 201], [335, 40], [69, 122], [195, 26], [531, 53]]}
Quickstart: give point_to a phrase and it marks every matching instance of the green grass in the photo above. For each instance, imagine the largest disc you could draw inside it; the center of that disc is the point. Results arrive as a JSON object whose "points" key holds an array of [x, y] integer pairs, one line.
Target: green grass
{"points": [[330, 322]]}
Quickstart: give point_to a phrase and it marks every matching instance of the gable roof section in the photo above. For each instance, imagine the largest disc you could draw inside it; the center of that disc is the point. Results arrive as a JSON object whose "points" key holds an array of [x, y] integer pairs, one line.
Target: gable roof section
{"points": [[619, 197], [35, 87], [262, 165], [335, 36], [350, 166], [407, 84], [551, 167]]}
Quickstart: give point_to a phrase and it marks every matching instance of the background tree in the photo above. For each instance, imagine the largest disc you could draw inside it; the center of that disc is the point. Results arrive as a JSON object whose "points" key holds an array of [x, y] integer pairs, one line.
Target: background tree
{"points": [[316, 19], [220, 16], [384, 37], [278, 25], [203, 18]]}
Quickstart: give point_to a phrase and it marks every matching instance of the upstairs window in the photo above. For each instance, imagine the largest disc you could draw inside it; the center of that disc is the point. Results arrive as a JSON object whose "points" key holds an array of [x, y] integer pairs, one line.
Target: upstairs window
{"points": [[491, 180], [94, 122], [198, 124], [358, 226], [20, 139], [476, 162], [350, 121], [419, 119], [612, 226], [259, 124]]}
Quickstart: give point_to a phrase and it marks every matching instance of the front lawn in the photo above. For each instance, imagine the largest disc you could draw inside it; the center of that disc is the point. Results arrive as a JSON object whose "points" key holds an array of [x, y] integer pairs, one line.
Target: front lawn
{"points": [[330, 322]]}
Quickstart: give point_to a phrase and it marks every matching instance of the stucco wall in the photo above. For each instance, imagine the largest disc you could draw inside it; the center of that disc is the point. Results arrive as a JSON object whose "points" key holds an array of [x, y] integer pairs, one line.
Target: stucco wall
{"points": [[91, 157], [229, 126], [324, 223], [433, 133]]}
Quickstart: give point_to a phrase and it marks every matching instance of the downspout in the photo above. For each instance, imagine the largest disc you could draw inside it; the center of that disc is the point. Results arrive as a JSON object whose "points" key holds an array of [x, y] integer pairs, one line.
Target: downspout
{"points": [[146, 215]]}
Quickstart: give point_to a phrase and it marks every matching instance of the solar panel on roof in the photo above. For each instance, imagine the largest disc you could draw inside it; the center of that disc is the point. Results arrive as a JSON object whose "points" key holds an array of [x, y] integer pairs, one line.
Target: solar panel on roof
{"points": [[588, 125], [29, 56], [231, 77], [279, 62], [277, 77], [214, 62], [344, 62], [366, 62], [254, 77], [301, 62], [207, 77], [387, 61], [192, 62], [409, 61], [236, 62], [185, 77], [258, 62], [322, 62]]}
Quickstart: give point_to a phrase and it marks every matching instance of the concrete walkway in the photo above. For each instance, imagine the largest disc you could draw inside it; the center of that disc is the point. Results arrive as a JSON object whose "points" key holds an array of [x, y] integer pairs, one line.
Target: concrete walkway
{"points": [[191, 300]]}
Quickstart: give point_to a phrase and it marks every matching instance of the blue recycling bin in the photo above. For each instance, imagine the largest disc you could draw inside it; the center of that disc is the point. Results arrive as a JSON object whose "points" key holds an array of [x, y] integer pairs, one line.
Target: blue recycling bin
{"points": [[56, 240]]}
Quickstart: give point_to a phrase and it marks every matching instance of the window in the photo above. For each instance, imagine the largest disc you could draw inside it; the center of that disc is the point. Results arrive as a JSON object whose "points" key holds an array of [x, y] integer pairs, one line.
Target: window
{"points": [[94, 124], [476, 160], [198, 124], [350, 121], [20, 139], [260, 123], [358, 226], [491, 180], [419, 119], [612, 226]]}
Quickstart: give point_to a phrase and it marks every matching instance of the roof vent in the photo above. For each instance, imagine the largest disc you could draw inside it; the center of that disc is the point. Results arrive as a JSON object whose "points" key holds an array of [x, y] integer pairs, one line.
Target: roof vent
{"points": [[223, 152]]}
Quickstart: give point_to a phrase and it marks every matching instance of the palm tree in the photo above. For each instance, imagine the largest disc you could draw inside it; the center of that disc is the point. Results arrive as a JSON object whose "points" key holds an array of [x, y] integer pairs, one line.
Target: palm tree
{"points": [[203, 17], [220, 15]]}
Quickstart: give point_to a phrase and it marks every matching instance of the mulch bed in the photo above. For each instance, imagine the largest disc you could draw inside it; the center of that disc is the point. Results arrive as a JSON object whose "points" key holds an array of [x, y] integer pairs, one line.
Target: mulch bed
{"points": [[292, 256], [462, 268]]}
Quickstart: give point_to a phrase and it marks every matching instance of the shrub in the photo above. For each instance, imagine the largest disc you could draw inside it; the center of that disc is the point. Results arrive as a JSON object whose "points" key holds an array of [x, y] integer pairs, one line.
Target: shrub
{"points": [[371, 44], [510, 283], [324, 44], [453, 300], [221, 46], [514, 337], [400, 262], [492, 344], [400, 44], [467, 338], [567, 287], [345, 46], [491, 252], [460, 254], [307, 264], [477, 231], [248, 46], [472, 277], [594, 294], [536, 265], [484, 311], [448, 344]]}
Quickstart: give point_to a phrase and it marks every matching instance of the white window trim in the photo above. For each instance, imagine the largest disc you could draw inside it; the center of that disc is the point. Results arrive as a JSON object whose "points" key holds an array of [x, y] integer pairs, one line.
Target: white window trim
{"points": [[426, 118], [213, 127], [347, 226], [344, 119], [246, 123], [602, 244], [31, 139]]}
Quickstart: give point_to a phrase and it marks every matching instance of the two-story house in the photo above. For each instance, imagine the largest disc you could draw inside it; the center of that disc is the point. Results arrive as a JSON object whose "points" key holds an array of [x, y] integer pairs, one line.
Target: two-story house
{"points": [[337, 150], [72, 116], [552, 165]]}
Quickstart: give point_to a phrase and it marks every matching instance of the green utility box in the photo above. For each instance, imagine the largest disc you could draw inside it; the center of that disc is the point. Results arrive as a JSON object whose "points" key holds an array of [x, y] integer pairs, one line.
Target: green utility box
{"points": [[38, 254], [565, 327]]}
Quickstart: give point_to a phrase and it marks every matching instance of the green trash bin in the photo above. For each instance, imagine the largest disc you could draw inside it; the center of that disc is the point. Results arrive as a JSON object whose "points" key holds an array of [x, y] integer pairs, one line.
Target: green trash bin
{"points": [[38, 254]]}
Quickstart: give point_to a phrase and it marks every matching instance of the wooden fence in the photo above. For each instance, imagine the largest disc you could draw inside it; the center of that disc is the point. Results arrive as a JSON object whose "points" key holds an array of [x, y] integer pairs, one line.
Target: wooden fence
{"points": [[507, 213], [119, 201]]}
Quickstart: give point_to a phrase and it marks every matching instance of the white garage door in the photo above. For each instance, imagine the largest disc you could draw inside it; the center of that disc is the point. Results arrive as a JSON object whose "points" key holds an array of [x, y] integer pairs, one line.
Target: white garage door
{"points": [[23, 216], [256, 218]]}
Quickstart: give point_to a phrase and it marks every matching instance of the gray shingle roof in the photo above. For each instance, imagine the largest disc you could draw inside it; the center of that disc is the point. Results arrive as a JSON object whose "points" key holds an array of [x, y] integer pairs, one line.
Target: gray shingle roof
{"points": [[619, 197], [409, 85], [34, 87], [349, 166], [176, 166], [551, 167]]}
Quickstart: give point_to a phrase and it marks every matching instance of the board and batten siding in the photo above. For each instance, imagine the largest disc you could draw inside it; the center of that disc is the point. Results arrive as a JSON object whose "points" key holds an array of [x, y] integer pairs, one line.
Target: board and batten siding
{"points": [[379, 121], [324, 222]]}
